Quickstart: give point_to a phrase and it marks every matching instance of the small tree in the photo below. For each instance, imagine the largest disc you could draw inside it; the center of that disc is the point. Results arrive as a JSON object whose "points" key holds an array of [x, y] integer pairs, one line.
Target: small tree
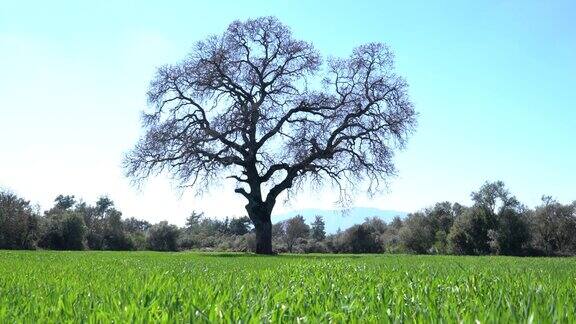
{"points": [[136, 230], [259, 104], [496, 223], [295, 228], [115, 237], [193, 221], [360, 239], [427, 231], [318, 228], [417, 234], [554, 227], [469, 233], [239, 226], [162, 237], [63, 230], [105, 228], [18, 223], [64, 202]]}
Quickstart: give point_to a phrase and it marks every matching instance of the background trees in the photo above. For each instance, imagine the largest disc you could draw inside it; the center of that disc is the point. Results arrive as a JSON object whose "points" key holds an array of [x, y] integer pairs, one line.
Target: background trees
{"points": [[98, 227], [19, 222], [359, 239], [417, 233], [213, 234], [427, 231], [105, 226], [239, 226], [317, 228], [295, 229], [62, 227], [469, 234], [136, 230], [553, 227], [162, 237], [495, 224]]}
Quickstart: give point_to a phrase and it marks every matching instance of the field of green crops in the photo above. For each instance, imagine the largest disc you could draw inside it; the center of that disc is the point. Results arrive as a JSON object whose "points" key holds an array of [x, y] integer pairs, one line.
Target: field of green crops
{"points": [[40, 287]]}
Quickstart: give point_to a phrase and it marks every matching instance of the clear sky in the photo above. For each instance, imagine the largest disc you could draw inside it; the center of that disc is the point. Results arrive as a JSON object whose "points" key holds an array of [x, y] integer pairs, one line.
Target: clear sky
{"points": [[494, 83]]}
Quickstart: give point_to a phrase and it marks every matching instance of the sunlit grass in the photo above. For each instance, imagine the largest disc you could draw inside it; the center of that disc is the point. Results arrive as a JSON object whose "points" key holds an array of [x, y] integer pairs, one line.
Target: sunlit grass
{"points": [[182, 287]]}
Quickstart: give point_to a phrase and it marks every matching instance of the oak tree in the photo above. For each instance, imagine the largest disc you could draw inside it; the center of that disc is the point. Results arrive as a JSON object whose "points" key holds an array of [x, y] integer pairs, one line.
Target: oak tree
{"points": [[260, 107]]}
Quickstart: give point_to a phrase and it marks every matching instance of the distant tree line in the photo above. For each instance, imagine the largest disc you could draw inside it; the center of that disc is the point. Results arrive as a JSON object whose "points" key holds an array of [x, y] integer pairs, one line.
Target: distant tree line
{"points": [[497, 223], [74, 225]]}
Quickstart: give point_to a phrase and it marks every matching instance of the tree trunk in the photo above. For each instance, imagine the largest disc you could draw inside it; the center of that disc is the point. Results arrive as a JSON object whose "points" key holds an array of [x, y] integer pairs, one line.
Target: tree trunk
{"points": [[264, 236], [260, 216]]}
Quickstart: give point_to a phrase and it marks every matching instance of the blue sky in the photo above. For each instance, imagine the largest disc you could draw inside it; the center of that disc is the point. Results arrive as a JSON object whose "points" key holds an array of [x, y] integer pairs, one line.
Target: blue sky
{"points": [[494, 83]]}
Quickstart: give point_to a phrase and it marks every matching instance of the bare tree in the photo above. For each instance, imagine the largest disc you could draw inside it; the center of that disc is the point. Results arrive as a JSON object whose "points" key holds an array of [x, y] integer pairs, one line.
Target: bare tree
{"points": [[260, 105]]}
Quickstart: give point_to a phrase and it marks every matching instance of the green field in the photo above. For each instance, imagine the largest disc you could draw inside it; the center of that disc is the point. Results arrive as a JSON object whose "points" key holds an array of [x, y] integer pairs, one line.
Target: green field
{"points": [[189, 287]]}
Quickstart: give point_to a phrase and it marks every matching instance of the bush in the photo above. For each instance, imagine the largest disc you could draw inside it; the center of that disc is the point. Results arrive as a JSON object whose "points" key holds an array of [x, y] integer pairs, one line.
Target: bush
{"points": [[469, 233], [19, 227], [512, 235], [63, 230], [417, 234], [162, 237], [359, 239], [553, 226]]}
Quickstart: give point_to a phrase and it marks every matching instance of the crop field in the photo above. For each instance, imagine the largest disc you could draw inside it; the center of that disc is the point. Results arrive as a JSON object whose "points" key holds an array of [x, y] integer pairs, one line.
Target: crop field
{"points": [[40, 287]]}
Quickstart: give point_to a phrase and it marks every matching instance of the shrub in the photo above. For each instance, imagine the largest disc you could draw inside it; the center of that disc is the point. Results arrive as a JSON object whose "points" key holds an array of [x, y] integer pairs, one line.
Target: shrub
{"points": [[63, 230], [162, 237], [18, 223]]}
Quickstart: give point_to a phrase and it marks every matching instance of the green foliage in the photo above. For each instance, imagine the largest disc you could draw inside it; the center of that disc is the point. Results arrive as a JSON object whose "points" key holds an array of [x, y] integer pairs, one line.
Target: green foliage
{"points": [[239, 226], [553, 226], [317, 229], [105, 226], [295, 229], [391, 237], [496, 224], [63, 230], [512, 235], [19, 228], [162, 237], [469, 234], [135, 230], [193, 220], [360, 239], [98, 227], [115, 237], [203, 233], [417, 234], [139, 287], [64, 202]]}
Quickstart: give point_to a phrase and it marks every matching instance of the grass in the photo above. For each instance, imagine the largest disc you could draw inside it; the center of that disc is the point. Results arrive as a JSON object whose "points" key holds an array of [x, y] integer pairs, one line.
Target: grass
{"points": [[103, 287]]}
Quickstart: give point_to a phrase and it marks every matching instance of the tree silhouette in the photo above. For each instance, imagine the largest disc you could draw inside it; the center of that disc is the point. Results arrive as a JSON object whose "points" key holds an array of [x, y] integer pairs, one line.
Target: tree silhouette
{"points": [[260, 105]]}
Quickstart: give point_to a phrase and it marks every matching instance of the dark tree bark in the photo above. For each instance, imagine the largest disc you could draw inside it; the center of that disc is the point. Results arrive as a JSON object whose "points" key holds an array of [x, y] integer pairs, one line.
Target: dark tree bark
{"points": [[260, 214], [263, 227], [243, 105]]}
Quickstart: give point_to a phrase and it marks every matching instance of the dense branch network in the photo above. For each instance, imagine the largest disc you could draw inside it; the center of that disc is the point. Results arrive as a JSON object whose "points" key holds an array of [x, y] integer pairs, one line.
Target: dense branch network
{"points": [[259, 107]]}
